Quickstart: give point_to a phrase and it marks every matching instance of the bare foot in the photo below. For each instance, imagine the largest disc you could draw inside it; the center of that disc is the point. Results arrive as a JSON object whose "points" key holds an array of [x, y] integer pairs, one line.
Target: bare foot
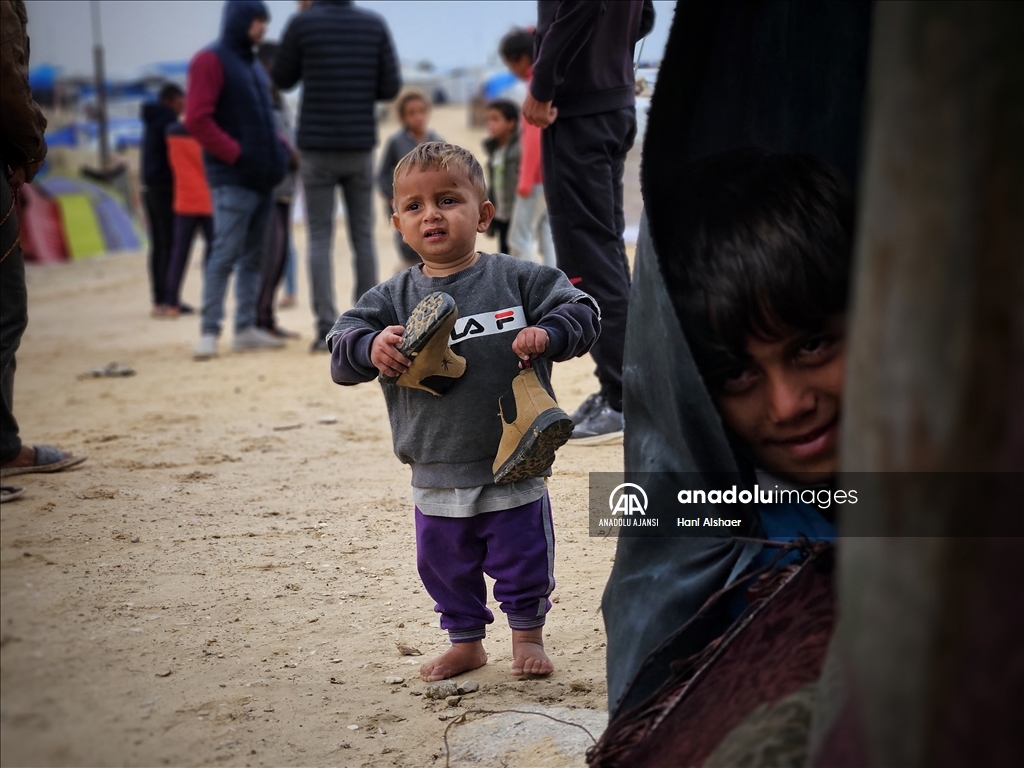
{"points": [[461, 657], [528, 657], [25, 458]]}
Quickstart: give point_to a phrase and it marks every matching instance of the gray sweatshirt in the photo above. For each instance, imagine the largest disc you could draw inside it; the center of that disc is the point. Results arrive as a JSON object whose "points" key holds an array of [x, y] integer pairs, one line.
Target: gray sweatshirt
{"points": [[451, 441]]}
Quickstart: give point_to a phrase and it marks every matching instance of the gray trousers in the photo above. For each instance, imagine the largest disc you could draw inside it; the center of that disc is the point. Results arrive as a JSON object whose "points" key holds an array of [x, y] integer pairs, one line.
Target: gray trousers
{"points": [[321, 172]]}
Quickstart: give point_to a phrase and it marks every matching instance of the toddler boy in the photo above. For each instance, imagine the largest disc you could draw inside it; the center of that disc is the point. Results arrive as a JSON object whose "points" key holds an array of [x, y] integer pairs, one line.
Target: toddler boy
{"points": [[510, 313]]}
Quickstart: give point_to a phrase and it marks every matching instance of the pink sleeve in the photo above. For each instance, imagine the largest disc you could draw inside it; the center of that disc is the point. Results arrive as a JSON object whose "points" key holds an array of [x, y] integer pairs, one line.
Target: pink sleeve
{"points": [[205, 81], [530, 173]]}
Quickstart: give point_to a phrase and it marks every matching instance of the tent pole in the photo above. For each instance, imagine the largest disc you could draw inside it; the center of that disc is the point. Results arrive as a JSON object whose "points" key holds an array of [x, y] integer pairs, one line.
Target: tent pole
{"points": [[100, 78]]}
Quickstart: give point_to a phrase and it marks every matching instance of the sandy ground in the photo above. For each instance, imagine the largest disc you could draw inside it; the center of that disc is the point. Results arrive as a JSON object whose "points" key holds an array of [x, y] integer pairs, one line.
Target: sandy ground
{"points": [[225, 580]]}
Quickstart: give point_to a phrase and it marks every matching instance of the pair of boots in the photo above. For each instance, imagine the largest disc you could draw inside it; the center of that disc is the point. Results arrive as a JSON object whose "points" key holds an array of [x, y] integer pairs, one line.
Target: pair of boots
{"points": [[533, 426]]}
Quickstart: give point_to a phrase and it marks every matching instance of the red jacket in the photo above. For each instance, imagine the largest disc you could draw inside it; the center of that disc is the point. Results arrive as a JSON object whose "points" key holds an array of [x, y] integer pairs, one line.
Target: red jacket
{"points": [[530, 173]]}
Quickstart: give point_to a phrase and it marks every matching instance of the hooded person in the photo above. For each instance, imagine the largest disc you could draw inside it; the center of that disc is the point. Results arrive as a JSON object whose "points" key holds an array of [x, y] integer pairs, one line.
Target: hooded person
{"points": [[158, 189], [676, 429], [229, 112]]}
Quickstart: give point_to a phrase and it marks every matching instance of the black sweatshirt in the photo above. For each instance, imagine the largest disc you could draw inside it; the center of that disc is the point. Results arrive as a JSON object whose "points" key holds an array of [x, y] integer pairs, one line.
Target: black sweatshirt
{"points": [[583, 54]]}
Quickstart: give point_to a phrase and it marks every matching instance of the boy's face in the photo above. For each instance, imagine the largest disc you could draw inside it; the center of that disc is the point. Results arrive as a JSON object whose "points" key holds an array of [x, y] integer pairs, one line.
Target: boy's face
{"points": [[786, 402], [414, 116], [498, 126], [520, 67], [439, 214]]}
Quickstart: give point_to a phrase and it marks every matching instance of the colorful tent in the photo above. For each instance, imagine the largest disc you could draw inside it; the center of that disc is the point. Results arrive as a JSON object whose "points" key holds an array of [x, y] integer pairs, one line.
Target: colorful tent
{"points": [[66, 219]]}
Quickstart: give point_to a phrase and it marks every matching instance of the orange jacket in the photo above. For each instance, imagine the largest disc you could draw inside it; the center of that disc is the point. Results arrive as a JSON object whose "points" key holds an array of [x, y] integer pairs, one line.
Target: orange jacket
{"points": [[191, 193]]}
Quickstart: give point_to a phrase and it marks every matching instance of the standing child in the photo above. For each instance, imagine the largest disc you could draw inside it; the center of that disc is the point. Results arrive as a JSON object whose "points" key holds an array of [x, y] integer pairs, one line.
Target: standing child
{"points": [[481, 503], [413, 111], [502, 147], [530, 226], [193, 209], [158, 189]]}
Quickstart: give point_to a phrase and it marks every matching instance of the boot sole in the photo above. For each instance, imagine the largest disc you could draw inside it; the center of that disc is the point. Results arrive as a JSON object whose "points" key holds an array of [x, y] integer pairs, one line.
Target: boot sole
{"points": [[536, 449], [427, 318]]}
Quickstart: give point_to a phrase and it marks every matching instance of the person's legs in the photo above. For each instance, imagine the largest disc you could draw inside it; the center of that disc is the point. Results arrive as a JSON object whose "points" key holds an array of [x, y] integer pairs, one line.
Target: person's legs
{"points": [[160, 213], [318, 182], [15, 457], [13, 319], [274, 259], [543, 230], [357, 182], [521, 225], [583, 165], [250, 262], [289, 274], [232, 211], [206, 223], [521, 560], [449, 558], [184, 232], [501, 229]]}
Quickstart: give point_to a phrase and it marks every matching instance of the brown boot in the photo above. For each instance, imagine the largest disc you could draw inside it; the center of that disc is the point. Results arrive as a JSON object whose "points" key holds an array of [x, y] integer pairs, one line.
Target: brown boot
{"points": [[434, 366], [533, 428]]}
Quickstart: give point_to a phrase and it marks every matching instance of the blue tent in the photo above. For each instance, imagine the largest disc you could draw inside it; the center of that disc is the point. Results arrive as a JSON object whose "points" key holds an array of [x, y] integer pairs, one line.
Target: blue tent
{"points": [[43, 77]]}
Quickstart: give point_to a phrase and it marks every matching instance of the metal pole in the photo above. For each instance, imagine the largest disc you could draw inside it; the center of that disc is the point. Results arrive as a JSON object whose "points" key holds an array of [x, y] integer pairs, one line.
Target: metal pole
{"points": [[100, 79]]}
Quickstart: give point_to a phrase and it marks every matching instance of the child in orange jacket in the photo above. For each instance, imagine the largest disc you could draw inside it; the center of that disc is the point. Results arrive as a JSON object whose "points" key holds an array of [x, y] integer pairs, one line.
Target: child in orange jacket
{"points": [[193, 209]]}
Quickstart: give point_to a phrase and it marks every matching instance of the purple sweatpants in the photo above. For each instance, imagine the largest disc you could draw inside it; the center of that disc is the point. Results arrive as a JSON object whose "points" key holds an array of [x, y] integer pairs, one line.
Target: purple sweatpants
{"points": [[515, 547]]}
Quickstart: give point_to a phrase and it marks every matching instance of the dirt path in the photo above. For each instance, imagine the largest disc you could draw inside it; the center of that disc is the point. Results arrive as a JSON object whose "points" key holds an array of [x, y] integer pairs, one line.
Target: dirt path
{"points": [[225, 579]]}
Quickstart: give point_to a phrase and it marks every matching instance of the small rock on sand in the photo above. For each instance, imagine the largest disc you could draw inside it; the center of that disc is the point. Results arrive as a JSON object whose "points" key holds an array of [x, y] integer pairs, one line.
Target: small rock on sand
{"points": [[469, 686], [408, 650], [442, 690], [394, 679]]}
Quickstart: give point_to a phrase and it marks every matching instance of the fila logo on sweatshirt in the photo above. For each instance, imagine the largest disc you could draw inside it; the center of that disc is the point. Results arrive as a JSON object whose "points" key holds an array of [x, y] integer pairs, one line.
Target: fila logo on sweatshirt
{"points": [[487, 323]]}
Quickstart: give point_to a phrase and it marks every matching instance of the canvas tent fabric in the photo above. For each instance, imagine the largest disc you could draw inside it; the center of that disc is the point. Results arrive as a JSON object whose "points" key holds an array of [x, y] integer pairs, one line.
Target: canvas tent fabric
{"points": [[783, 76], [42, 233], [69, 219], [81, 227]]}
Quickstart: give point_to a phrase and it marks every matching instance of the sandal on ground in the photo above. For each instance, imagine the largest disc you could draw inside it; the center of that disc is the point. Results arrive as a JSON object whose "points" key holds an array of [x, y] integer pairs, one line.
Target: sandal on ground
{"points": [[114, 370], [10, 493], [48, 459]]}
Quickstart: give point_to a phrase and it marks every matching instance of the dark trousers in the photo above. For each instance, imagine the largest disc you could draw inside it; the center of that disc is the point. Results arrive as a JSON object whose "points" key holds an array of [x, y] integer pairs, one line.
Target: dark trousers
{"points": [[584, 159], [159, 201], [185, 227], [13, 318], [501, 232], [275, 258]]}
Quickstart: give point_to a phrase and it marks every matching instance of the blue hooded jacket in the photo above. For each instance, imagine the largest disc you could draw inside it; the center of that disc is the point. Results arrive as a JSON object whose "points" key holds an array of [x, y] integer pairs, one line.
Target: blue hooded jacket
{"points": [[243, 108]]}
